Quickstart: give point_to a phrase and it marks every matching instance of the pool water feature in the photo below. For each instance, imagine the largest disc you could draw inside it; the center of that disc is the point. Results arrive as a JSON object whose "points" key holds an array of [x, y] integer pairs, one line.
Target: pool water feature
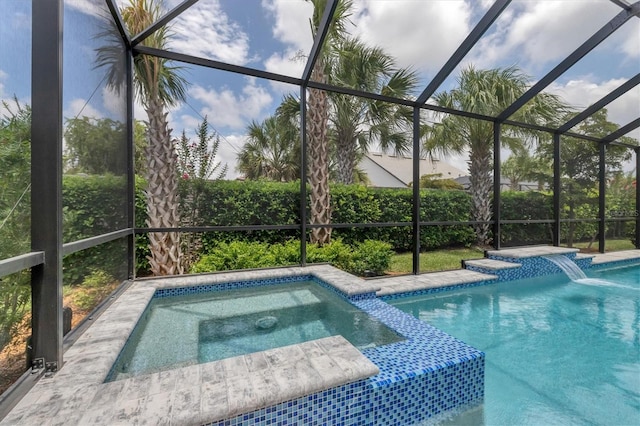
{"points": [[557, 352], [182, 330]]}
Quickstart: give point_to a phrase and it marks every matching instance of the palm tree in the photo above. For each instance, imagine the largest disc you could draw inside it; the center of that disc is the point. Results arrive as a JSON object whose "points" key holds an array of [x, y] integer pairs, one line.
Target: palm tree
{"points": [[158, 86], [357, 122], [318, 119], [272, 151], [518, 167], [487, 92]]}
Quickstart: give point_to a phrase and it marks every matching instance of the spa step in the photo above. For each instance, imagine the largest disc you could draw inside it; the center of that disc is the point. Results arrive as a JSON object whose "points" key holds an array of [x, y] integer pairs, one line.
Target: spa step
{"points": [[504, 270], [488, 264], [525, 252]]}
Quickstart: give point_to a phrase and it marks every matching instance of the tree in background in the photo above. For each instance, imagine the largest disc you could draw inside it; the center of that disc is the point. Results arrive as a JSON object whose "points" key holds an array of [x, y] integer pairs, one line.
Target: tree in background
{"points": [[15, 213], [95, 146], [487, 92], [158, 86], [272, 151], [579, 167], [196, 165], [357, 123], [435, 181], [519, 167]]}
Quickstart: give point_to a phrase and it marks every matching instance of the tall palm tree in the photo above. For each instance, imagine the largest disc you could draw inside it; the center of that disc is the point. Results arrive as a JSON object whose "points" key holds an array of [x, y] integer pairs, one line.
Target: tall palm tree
{"points": [[487, 92], [359, 122], [272, 151], [318, 119], [158, 86]]}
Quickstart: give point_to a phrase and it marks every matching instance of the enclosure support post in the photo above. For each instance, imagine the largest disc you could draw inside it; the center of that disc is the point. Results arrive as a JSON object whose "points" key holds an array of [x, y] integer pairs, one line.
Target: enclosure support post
{"points": [[46, 178], [637, 210], [556, 189], [416, 191], [303, 175], [497, 129], [602, 226], [131, 173]]}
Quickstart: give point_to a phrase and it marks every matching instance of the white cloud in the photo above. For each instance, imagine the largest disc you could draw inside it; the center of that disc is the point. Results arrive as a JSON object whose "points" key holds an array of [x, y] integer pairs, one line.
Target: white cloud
{"points": [[291, 22], [540, 34], [286, 63], [3, 76], [80, 108], [226, 108], [114, 103], [422, 35], [88, 7], [205, 30], [581, 93], [228, 153], [630, 39]]}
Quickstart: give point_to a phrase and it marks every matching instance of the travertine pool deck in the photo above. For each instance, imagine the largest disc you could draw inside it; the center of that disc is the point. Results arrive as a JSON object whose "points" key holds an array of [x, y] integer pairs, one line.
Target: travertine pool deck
{"points": [[412, 283], [616, 256]]}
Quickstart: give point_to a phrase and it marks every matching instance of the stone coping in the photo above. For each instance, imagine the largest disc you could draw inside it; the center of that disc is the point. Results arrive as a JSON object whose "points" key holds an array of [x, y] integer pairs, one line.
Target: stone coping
{"points": [[615, 256], [412, 283], [532, 251], [492, 264], [348, 284], [195, 394]]}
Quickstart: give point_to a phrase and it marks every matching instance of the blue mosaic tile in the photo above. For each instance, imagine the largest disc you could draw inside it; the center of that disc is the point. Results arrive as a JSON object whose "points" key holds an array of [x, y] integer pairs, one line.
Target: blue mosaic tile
{"points": [[530, 267], [437, 289], [233, 285], [428, 374]]}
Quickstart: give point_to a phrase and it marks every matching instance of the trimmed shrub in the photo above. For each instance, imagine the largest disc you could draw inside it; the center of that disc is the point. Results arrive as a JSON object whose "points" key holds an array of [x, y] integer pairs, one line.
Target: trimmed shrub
{"points": [[368, 258]]}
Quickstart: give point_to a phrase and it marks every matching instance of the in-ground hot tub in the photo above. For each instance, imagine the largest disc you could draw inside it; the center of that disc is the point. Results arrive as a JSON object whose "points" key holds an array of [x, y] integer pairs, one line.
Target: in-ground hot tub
{"points": [[206, 323]]}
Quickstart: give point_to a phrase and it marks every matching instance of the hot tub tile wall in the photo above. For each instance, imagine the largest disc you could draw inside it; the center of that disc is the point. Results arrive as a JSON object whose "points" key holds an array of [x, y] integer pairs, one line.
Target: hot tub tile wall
{"points": [[428, 376], [502, 274]]}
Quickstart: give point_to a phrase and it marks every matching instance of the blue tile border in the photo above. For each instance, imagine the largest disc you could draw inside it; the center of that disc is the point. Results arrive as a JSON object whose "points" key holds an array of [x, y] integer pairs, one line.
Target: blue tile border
{"points": [[615, 263]]}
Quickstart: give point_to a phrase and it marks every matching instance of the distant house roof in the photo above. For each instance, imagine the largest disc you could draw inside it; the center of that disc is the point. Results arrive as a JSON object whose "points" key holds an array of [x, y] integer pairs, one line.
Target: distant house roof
{"points": [[391, 171]]}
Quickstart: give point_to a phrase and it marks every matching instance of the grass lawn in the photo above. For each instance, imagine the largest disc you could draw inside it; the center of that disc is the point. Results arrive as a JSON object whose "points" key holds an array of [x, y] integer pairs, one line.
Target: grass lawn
{"points": [[610, 245], [437, 260], [442, 260]]}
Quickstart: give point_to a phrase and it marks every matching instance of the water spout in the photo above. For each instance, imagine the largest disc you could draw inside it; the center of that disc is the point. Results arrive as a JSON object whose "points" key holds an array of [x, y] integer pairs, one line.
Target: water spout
{"points": [[567, 266], [577, 275]]}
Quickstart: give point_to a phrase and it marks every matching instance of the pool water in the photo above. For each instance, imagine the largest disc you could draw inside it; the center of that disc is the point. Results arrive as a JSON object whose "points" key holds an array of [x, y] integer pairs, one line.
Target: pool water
{"points": [[557, 352], [182, 330]]}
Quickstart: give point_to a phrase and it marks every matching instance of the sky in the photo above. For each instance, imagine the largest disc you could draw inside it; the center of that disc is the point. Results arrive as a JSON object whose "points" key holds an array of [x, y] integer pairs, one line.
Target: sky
{"points": [[274, 35]]}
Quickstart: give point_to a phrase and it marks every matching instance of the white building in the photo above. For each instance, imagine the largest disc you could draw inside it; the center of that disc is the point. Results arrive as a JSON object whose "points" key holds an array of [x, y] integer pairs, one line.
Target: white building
{"points": [[396, 171]]}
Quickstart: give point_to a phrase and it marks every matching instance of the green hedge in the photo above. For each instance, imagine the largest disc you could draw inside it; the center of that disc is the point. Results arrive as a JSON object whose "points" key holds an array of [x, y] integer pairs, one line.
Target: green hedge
{"points": [[528, 205], [94, 205], [268, 203], [368, 258]]}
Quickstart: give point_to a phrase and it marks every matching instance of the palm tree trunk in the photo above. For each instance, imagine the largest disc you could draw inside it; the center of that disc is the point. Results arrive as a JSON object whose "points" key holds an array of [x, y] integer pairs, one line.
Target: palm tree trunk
{"points": [[480, 179], [162, 194], [320, 198], [346, 158]]}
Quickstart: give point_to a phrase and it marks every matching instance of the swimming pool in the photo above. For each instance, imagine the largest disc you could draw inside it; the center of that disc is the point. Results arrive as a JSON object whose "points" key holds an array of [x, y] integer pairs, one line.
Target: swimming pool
{"points": [[206, 326], [557, 352]]}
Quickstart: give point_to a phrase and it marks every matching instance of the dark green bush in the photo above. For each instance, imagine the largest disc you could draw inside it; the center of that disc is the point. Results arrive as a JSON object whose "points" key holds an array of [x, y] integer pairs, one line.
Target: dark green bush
{"points": [[94, 205], [236, 255], [368, 258], [529, 205]]}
